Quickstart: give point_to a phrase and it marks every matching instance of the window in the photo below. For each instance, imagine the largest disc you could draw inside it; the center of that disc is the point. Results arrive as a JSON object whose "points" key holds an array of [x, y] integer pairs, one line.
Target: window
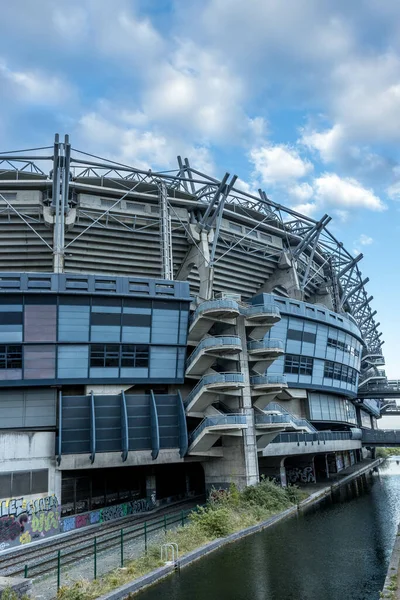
{"points": [[300, 365], [10, 357], [235, 227], [334, 343], [309, 337], [294, 334], [104, 356], [265, 236], [134, 356], [305, 336], [340, 372], [111, 355], [23, 483], [251, 232]]}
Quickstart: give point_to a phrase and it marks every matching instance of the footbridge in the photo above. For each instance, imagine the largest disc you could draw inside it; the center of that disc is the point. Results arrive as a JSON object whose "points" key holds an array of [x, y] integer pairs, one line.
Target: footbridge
{"points": [[381, 437], [388, 388]]}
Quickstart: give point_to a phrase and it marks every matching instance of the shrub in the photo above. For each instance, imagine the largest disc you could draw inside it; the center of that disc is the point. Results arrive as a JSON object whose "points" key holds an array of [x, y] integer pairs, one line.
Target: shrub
{"points": [[213, 521]]}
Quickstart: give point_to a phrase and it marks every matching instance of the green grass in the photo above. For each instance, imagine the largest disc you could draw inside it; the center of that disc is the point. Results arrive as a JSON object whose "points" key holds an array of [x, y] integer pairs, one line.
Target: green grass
{"points": [[387, 452], [224, 513]]}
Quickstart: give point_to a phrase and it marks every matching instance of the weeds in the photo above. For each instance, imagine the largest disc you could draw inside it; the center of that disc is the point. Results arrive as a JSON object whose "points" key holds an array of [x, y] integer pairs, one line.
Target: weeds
{"points": [[226, 511]]}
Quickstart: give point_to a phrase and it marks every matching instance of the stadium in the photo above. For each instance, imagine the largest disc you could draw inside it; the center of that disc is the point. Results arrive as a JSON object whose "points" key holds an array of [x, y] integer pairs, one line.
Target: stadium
{"points": [[166, 333]]}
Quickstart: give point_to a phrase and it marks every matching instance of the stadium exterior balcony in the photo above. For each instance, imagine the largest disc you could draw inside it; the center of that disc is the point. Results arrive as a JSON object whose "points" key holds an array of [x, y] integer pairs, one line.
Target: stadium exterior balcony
{"points": [[270, 349], [205, 391], [211, 428], [207, 313], [375, 360], [208, 350], [308, 443], [267, 383], [261, 314], [368, 379], [265, 421]]}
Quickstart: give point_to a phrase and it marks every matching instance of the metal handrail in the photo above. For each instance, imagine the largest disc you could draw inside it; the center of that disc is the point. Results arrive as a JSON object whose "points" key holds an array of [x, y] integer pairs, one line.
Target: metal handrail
{"points": [[258, 379], [209, 304], [215, 340], [320, 436], [298, 421], [214, 378], [270, 419], [260, 344], [231, 419], [254, 309]]}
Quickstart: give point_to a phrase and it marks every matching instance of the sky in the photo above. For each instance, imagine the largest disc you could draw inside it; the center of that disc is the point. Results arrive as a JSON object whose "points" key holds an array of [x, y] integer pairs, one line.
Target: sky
{"points": [[301, 99]]}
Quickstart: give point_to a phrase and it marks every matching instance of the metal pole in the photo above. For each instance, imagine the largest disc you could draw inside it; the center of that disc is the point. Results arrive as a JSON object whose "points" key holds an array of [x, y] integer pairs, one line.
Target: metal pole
{"points": [[95, 557], [145, 536], [26, 572], [58, 569], [183, 517], [165, 522], [122, 548]]}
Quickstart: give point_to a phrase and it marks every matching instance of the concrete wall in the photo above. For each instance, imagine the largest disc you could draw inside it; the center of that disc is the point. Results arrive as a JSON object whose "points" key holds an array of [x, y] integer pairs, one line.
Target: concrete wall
{"points": [[24, 518]]}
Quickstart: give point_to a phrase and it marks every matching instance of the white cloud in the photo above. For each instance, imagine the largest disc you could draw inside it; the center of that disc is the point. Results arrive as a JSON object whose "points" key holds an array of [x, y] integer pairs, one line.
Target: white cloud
{"points": [[338, 195], [192, 90], [278, 164], [393, 191], [366, 96], [34, 87], [301, 192], [345, 193], [365, 240], [110, 133], [328, 143]]}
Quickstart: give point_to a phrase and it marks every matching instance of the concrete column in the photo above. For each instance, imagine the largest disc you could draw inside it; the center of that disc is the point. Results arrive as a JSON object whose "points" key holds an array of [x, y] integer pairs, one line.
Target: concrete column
{"points": [[55, 479], [239, 463], [249, 434], [326, 466], [151, 488]]}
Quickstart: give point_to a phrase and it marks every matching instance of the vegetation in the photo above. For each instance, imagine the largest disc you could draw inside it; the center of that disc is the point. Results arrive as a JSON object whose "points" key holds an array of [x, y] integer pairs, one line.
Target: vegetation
{"points": [[224, 513], [387, 452]]}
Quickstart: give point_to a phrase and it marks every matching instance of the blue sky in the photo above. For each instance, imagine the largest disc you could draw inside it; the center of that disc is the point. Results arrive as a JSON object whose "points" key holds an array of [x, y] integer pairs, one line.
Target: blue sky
{"points": [[301, 98]]}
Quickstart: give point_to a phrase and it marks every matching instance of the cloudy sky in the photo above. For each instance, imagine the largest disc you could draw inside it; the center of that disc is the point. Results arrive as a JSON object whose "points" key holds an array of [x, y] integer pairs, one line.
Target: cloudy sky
{"points": [[301, 98]]}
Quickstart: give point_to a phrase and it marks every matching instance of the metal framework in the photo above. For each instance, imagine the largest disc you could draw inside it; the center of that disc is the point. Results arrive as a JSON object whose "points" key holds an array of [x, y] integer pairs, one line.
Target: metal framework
{"points": [[321, 262]]}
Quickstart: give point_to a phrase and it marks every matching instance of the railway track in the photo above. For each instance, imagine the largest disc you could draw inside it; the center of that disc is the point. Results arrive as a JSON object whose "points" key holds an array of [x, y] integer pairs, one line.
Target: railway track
{"points": [[37, 559]]}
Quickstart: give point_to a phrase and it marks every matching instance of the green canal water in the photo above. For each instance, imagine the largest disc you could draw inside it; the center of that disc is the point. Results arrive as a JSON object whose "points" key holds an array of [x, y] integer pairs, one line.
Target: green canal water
{"points": [[339, 550]]}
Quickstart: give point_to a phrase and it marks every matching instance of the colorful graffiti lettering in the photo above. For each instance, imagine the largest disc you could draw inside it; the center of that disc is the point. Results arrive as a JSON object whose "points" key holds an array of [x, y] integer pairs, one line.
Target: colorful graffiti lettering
{"points": [[108, 513], [24, 519], [300, 475]]}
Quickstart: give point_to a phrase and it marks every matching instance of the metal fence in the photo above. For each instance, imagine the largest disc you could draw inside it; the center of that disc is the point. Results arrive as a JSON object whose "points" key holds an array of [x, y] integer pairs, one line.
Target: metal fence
{"points": [[89, 559]]}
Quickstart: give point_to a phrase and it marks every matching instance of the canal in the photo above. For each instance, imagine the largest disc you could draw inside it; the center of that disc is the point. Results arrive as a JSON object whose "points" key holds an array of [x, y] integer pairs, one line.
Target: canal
{"points": [[338, 551]]}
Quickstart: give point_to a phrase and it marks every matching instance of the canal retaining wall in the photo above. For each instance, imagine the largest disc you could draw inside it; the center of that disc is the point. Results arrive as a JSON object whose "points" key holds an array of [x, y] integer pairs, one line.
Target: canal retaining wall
{"points": [[162, 572], [391, 588]]}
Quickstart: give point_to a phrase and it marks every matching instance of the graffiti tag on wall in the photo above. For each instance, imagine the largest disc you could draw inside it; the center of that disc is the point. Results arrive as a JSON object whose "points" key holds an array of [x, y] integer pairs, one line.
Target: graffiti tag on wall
{"points": [[300, 475], [108, 513], [22, 520]]}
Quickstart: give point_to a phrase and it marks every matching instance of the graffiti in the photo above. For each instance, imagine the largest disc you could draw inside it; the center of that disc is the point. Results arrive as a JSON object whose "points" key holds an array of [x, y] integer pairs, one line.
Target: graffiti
{"points": [[143, 505], [24, 519], [82, 521], [339, 462], [17, 506], [300, 475], [108, 513], [68, 524], [95, 517]]}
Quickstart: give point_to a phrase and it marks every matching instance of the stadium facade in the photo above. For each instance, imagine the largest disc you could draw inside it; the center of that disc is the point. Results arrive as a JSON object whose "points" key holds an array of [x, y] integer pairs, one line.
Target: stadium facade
{"points": [[164, 333]]}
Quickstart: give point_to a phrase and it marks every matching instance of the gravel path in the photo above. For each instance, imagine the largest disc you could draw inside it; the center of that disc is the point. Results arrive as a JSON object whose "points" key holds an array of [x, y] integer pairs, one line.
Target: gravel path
{"points": [[45, 587]]}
